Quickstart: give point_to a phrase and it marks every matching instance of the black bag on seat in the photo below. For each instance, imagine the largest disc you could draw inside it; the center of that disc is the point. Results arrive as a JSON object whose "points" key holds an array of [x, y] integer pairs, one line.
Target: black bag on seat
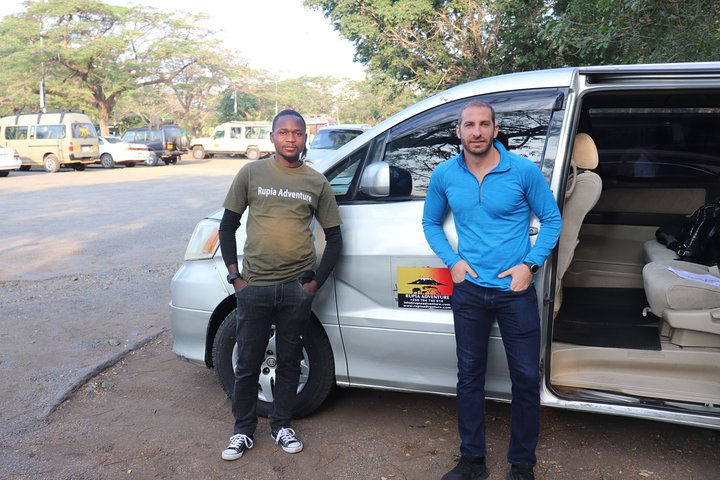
{"points": [[701, 242]]}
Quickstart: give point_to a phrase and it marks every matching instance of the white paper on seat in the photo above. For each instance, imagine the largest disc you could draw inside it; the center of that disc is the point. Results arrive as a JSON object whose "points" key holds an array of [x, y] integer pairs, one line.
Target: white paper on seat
{"points": [[697, 277]]}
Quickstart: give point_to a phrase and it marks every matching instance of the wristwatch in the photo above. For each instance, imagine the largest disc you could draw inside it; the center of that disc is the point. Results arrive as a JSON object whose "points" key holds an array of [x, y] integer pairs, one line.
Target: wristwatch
{"points": [[534, 267], [233, 276]]}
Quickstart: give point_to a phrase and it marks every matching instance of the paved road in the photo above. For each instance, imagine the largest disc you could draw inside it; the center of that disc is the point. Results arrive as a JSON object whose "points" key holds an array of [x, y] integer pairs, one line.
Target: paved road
{"points": [[85, 264], [86, 260]]}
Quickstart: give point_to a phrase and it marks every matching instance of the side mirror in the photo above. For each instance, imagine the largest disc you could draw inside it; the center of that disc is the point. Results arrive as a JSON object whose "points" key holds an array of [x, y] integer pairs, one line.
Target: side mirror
{"points": [[375, 181]]}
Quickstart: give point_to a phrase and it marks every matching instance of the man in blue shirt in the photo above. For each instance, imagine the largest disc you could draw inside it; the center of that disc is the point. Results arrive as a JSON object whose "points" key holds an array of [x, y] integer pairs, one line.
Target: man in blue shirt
{"points": [[492, 194]]}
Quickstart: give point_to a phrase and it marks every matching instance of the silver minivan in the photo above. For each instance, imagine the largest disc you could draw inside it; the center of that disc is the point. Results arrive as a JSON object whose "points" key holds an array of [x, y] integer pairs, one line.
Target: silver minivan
{"points": [[628, 328]]}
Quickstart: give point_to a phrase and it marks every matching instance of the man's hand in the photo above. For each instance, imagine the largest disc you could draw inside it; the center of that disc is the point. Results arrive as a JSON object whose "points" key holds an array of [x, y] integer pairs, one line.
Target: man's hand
{"points": [[458, 271], [310, 287], [521, 277], [239, 284]]}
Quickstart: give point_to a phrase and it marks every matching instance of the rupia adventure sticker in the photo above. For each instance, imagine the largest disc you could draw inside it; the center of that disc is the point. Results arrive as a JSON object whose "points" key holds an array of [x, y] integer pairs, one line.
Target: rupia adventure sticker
{"points": [[424, 288]]}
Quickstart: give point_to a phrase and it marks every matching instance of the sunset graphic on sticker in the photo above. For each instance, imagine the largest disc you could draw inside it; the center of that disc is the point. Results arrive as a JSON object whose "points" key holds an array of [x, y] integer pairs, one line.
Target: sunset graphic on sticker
{"points": [[424, 287]]}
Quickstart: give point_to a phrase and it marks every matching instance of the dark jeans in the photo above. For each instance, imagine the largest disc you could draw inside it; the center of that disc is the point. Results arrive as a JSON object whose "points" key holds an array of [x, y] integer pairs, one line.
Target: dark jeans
{"points": [[474, 310], [286, 306]]}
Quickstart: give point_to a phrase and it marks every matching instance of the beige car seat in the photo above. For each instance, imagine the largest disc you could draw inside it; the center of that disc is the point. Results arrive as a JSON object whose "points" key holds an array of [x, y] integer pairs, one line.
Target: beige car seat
{"points": [[583, 192]]}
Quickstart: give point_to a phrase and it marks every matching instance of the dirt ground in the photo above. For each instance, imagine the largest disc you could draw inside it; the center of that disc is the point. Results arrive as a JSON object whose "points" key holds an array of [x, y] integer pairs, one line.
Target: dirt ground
{"points": [[149, 415], [154, 416]]}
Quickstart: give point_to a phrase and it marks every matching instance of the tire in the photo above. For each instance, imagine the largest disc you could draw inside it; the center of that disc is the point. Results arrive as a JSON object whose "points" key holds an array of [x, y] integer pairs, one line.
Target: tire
{"points": [[130, 164], [252, 154], [107, 161], [152, 160], [173, 161], [317, 370], [24, 168], [198, 152], [52, 164], [4, 173], [79, 167]]}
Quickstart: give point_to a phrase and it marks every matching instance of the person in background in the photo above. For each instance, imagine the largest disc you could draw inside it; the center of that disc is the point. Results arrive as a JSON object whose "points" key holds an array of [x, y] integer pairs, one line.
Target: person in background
{"points": [[278, 279], [492, 194]]}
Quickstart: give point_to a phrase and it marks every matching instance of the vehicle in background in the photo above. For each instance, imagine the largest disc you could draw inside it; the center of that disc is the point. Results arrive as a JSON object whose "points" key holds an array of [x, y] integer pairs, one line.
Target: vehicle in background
{"points": [[251, 139], [627, 328], [333, 137], [166, 142], [51, 140], [113, 151], [9, 160]]}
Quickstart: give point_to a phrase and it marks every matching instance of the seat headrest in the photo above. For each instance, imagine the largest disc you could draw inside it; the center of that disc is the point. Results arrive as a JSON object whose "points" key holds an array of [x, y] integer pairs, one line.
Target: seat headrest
{"points": [[585, 154]]}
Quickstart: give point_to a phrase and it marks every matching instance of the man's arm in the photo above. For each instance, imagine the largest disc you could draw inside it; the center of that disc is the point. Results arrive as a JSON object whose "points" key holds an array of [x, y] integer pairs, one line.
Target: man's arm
{"points": [[228, 226], [333, 246]]}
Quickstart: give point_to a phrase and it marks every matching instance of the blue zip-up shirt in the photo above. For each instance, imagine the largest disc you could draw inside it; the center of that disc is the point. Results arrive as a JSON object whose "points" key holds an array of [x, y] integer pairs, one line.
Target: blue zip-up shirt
{"points": [[492, 217]]}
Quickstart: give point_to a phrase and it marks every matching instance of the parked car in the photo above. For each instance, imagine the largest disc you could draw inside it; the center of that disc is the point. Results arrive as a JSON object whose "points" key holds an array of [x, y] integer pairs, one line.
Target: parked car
{"points": [[166, 142], [9, 160], [331, 138], [114, 151], [251, 139], [52, 140], [622, 333]]}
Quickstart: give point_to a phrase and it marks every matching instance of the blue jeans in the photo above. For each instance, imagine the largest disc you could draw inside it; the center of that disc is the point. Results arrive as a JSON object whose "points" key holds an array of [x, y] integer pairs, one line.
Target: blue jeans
{"points": [[286, 306], [475, 308]]}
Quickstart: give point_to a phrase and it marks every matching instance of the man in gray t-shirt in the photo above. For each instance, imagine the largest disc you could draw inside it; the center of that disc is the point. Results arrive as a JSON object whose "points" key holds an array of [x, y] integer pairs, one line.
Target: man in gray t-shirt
{"points": [[278, 278]]}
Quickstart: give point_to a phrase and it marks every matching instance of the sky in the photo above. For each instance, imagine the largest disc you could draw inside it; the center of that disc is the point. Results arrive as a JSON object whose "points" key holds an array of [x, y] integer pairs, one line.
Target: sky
{"points": [[279, 36]]}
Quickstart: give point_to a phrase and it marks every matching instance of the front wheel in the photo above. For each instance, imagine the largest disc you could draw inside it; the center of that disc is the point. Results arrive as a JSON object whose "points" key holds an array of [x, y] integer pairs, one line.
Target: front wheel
{"points": [[317, 368], [152, 159]]}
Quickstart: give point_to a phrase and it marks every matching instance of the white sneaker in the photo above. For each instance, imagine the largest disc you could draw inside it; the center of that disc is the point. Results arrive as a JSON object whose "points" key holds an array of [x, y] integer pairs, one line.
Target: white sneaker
{"points": [[285, 437], [237, 446]]}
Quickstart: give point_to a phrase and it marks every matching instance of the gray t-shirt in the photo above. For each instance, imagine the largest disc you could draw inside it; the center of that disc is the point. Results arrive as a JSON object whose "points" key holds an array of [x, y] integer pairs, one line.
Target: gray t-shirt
{"points": [[282, 203]]}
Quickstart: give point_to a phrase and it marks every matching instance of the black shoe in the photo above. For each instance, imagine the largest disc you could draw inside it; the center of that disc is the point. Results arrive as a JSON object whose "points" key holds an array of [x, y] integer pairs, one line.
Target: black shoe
{"points": [[520, 473], [468, 469], [237, 446]]}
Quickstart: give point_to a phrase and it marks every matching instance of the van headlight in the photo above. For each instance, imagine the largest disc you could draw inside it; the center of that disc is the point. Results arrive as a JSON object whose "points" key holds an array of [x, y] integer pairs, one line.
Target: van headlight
{"points": [[204, 241]]}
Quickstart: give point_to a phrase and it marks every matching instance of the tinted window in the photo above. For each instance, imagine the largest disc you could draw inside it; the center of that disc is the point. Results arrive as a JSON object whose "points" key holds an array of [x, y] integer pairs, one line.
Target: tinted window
{"points": [[16, 133], [221, 133], [421, 143], [83, 130], [658, 143], [257, 133], [50, 132]]}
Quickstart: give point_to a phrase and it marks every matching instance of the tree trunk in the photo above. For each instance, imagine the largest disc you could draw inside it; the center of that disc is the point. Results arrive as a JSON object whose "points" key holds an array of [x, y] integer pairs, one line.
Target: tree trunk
{"points": [[104, 120]]}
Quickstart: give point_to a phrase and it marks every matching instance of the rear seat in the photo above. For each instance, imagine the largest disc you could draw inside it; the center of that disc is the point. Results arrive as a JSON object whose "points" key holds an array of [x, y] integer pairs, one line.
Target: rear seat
{"points": [[655, 251], [690, 309]]}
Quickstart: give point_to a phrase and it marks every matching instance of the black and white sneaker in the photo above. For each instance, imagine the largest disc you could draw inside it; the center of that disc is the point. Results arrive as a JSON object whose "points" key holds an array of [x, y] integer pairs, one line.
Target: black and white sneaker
{"points": [[237, 446], [285, 437]]}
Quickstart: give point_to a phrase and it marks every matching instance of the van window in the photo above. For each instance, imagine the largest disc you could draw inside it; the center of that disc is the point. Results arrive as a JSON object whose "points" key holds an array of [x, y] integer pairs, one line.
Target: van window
{"points": [[50, 132], [83, 130], [16, 133], [155, 135], [257, 133], [421, 143]]}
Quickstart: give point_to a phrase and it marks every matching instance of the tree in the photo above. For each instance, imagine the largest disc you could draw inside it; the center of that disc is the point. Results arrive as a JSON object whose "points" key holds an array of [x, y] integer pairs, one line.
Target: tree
{"points": [[635, 31], [104, 51]]}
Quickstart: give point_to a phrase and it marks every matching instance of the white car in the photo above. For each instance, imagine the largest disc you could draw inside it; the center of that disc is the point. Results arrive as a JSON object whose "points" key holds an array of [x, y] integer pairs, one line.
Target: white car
{"points": [[328, 139], [9, 160], [114, 151]]}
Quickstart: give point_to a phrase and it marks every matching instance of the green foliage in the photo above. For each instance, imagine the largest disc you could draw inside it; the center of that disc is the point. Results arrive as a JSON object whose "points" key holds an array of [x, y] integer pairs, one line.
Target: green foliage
{"points": [[636, 31], [434, 44], [93, 53]]}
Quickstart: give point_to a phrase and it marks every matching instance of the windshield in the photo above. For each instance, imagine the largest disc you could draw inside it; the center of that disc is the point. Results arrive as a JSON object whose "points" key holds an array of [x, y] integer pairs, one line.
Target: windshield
{"points": [[333, 139]]}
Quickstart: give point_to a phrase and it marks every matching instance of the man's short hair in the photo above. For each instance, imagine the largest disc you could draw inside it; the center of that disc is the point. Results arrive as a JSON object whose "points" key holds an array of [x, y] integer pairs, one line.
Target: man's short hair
{"points": [[288, 112], [476, 103]]}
